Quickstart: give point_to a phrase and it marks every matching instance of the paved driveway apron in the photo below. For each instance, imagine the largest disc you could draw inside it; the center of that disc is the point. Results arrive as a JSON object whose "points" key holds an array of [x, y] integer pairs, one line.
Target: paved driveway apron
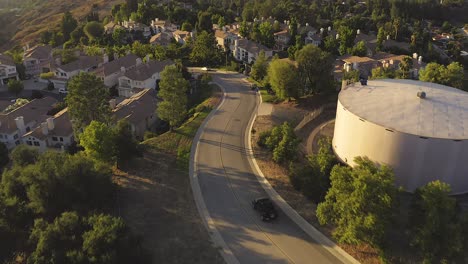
{"points": [[228, 186]]}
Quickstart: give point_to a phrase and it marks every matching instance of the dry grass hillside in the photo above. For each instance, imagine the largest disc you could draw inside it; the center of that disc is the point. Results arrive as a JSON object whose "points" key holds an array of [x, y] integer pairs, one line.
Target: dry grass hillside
{"points": [[38, 16]]}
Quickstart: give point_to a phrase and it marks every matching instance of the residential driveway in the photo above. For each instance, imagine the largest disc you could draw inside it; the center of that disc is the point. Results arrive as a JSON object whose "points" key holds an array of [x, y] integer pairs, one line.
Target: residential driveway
{"points": [[227, 186]]}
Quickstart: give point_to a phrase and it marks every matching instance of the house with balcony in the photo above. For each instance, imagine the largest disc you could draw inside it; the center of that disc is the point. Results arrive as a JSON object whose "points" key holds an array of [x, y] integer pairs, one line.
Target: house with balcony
{"points": [[15, 124], [225, 38], [55, 132], [110, 72], [282, 39], [7, 69], [139, 110], [133, 26], [64, 72], [161, 38], [247, 51], [181, 36], [144, 75], [158, 26], [38, 59]]}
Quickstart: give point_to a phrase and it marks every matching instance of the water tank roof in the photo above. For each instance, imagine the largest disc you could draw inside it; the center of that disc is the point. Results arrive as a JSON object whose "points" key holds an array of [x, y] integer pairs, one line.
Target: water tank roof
{"points": [[394, 104]]}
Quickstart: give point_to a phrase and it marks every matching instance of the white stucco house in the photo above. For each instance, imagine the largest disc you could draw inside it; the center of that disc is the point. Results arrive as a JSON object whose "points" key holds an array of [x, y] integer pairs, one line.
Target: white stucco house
{"points": [[248, 51], [63, 73], [38, 59], [144, 75], [111, 71], [7, 69]]}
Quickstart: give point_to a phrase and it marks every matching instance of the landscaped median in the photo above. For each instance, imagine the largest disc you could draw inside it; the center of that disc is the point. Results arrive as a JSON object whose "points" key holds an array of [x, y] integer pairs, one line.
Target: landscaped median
{"points": [[156, 198]]}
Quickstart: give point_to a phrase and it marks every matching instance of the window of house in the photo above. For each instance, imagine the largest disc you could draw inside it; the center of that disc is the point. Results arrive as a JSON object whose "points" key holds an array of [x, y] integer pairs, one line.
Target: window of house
{"points": [[54, 138], [15, 136], [36, 143], [61, 139], [29, 143]]}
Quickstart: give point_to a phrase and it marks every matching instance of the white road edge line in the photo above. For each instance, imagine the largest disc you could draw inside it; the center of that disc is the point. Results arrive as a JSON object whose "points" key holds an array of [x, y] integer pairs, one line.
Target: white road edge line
{"points": [[216, 237], [316, 235]]}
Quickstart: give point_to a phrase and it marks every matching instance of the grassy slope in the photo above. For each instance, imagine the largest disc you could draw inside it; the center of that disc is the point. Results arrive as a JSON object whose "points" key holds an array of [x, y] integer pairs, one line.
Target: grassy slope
{"points": [[156, 200], [40, 16]]}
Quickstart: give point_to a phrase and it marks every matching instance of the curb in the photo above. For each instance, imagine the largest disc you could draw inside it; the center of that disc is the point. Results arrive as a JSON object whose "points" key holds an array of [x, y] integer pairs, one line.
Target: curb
{"points": [[316, 235], [208, 222]]}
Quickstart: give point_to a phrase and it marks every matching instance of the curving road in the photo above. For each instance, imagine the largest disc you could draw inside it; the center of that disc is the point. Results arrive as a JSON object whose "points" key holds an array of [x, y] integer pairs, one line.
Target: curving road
{"points": [[227, 185]]}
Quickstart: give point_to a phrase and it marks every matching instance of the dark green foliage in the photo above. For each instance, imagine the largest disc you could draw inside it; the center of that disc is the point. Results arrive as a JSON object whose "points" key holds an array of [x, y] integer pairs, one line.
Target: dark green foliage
{"points": [[87, 100], [315, 68], [433, 223], [360, 203], [4, 159], [68, 24], [204, 22], [126, 147], [15, 86], [260, 68], [451, 75], [284, 79], [282, 142], [23, 155], [93, 30], [172, 90], [205, 50], [262, 138]]}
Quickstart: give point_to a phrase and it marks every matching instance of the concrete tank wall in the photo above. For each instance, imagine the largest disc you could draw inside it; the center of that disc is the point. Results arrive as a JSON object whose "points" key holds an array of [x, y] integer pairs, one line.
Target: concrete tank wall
{"points": [[415, 160]]}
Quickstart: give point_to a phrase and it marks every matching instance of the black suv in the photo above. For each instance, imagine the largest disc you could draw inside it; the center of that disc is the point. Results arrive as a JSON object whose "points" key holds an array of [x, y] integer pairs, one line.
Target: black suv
{"points": [[266, 208]]}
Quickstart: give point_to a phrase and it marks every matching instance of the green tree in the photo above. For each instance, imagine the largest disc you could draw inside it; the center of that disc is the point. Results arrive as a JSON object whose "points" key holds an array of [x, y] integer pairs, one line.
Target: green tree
{"points": [[284, 79], [315, 68], [94, 30], [405, 66], [452, 75], [126, 146], [359, 49], [380, 38], [98, 141], [87, 100], [186, 26], [4, 159], [173, 92], [244, 29], [221, 22], [204, 22], [119, 35], [346, 37], [266, 34], [331, 44], [205, 50], [383, 73], [434, 227], [260, 67], [15, 86], [68, 24], [282, 141], [23, 155], [359, 202]]}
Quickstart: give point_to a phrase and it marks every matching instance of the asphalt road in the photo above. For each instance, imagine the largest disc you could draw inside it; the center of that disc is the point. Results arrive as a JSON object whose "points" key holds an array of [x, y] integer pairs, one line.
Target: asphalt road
{"points": [[228, 186]]}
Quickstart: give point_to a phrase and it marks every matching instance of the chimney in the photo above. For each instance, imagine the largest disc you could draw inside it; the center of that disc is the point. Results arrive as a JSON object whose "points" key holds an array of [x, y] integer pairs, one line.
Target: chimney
{"points": [[358, 32], [138, 61], [112, 103], [329, 29], [415, 55], [156, 19], [321, 30], [419, 60], [122, 69], [50, 123], [105, 58], [20, 125], [236, 43], [44, 128], [337, 36], [388, 37], [307, 24]]}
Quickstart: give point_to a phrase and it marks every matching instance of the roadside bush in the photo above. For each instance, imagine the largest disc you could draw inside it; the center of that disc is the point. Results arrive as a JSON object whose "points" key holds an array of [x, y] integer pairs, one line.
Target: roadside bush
{"points": [[309, 181], [46, 75], [261, 142]]}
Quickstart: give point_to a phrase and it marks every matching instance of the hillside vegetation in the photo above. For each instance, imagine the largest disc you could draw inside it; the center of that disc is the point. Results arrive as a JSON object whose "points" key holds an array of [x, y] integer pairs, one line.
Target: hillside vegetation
{"points": [[31, 18]]}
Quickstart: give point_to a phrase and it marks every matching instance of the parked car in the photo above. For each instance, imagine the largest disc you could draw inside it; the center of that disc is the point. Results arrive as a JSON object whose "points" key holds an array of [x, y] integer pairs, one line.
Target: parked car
{"points": [[63, 91], [266, 208]]}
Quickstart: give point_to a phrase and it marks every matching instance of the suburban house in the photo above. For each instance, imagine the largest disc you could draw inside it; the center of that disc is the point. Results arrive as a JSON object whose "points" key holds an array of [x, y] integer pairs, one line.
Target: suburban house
{"points": [[181, 36], [248, 51], [282, 39], [159, 26], [131, 25], [161, 38], [63, 73], [111, 71], [144, 75], [55, 133], [110, 27], [139, 110], [38, 59], [15, 124], [312, 38], [225, 38], [7, 69]]}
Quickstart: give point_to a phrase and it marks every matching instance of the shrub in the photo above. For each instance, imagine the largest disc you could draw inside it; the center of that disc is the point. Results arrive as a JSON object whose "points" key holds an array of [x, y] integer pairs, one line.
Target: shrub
{"points": [[46, 75], [261, 142], [149, 134]]}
